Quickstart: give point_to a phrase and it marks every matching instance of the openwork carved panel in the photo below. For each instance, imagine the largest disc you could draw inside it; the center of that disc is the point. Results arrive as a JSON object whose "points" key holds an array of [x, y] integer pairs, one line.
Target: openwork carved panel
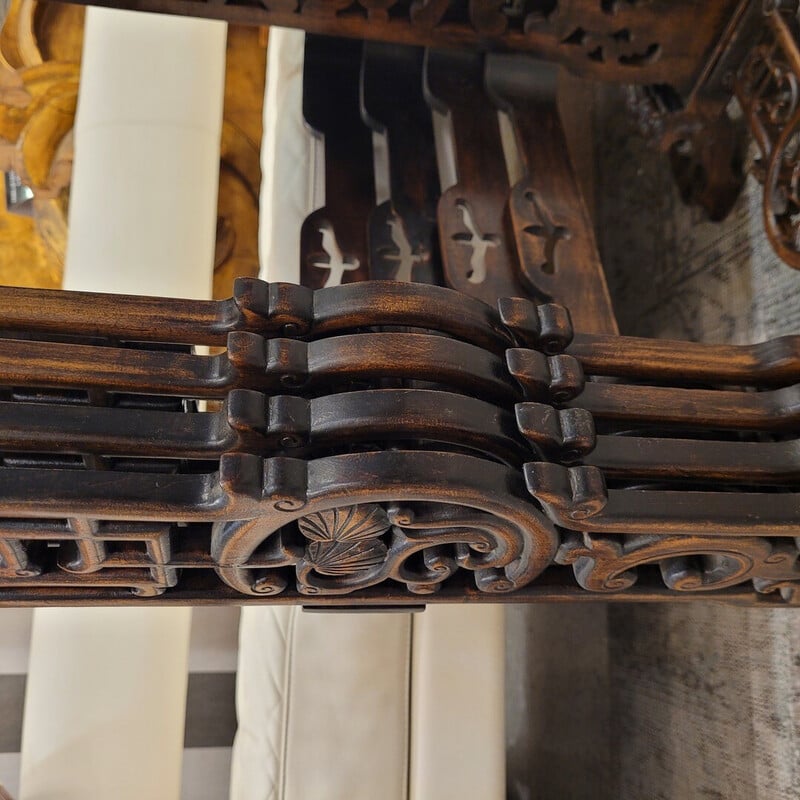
{"points": [[768, 86], [320, 480], [391, 443], [439, 513], [647, 41]]}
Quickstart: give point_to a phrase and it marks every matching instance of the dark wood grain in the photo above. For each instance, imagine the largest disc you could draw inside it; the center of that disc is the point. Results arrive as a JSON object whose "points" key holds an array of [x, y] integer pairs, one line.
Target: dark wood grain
{"points": [[772, 363], [548, 219], [661, 41], [475, 251], [375, 443], [336, 234]]}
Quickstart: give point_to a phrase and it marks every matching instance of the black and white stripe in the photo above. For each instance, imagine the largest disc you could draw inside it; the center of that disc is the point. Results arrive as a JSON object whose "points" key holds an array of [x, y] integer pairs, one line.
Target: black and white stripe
{"points": [[210, 703]]}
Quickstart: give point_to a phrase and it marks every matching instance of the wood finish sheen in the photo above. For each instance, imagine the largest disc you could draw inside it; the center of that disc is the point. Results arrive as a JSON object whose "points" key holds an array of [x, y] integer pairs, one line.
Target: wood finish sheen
{"points": [[379, 442]]}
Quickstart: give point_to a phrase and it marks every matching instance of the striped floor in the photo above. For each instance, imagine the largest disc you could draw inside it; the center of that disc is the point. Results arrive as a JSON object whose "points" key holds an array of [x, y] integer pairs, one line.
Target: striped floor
{"points": [[210, 710]]}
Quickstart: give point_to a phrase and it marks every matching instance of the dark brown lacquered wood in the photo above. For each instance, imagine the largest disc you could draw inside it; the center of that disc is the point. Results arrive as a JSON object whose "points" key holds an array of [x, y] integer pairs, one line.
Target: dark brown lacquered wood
{"points": [[429, 499], [777, 410], [661, 41], [772, 363], [265, 308], [445, 362], [125, 518], [377, 443], [75, 366], [476, 255], [576, 498], [686, 563], [109, 495], [251, 422], [373, 304], [760, 79], [269, 309], [412, 414], [548, 218], [402, 229], [645, 458], [252, 362], [333, 239]]}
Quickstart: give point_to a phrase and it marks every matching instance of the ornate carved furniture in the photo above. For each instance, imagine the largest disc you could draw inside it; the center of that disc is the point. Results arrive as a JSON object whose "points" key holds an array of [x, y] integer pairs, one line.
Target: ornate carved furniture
{"points": [[323, 476], [387, 443], [685, 61]]}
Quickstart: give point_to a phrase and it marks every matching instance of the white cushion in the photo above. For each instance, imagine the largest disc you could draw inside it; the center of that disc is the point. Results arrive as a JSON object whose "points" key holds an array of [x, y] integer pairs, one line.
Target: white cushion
{"points": [[291, 160], [458, 704], [322, 702], [143, 199]]}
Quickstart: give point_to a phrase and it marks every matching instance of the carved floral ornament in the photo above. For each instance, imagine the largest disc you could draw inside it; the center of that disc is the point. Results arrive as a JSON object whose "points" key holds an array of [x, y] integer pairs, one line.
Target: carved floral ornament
{"points": [[623, 33], [486, 526], [345, 540], [423, 545]]}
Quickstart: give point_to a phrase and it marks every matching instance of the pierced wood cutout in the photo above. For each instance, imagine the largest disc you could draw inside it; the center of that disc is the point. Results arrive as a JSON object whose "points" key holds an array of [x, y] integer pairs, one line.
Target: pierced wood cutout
{"points": [[687, 563], [420, 536], [403, 236], [376, 443], [548, 219], [475, 252], [333, 239]]}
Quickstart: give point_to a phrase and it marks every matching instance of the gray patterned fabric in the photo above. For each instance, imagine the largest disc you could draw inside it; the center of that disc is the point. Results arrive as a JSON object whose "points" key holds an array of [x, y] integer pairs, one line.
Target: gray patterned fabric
{"points": [[705, 698]]}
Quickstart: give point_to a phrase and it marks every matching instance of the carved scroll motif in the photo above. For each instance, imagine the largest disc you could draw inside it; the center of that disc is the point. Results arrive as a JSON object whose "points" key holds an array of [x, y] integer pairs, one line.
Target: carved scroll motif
{"points": [[687, 563], [356, 547], [548, 219], [314, 481], [767, 86], [603, 31], [415, 539]]}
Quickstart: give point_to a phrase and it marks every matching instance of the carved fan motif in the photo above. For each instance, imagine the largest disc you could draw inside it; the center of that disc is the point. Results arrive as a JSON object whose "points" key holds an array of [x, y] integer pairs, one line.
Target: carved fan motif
{"points": [[345, 540]]}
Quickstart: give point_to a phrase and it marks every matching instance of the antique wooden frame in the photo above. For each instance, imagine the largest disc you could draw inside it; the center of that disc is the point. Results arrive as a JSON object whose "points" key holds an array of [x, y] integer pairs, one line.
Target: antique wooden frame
{"points": [[385, 443]]}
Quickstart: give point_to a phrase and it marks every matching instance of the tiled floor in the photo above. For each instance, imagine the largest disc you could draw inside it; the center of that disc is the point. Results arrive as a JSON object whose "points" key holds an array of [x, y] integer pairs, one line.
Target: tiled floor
{"points": [[210, 709]]}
